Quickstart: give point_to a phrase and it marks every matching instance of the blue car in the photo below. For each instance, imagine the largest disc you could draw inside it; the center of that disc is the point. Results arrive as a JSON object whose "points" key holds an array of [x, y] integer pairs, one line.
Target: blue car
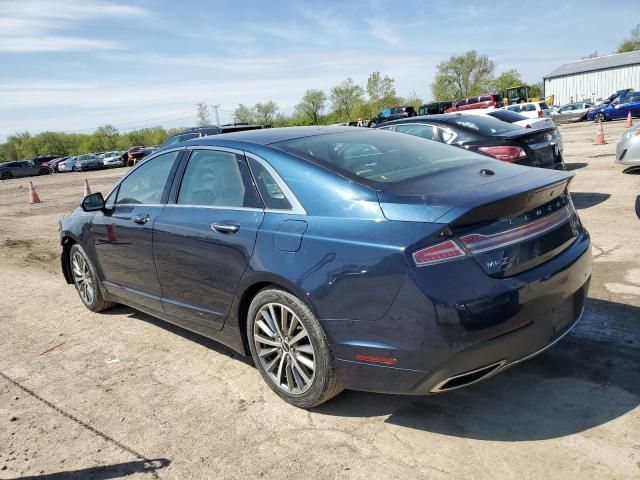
{"points": [[339, 257], [619, 108]]}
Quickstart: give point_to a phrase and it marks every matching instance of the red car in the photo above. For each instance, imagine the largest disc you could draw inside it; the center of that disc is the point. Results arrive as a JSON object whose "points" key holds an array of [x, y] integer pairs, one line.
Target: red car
{"points": [[133, 155], [477, 101]]}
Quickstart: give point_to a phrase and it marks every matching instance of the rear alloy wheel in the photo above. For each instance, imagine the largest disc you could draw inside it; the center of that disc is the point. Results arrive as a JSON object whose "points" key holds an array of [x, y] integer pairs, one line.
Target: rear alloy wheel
{"points": [[86, 280], [44, 171], [6, 175], [290, 349], [600, 117]]}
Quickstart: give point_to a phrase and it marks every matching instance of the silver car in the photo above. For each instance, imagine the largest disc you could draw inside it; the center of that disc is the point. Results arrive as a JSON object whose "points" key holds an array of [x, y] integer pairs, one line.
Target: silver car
{"points": [[571, 112], [628, 149], [26, 168]]}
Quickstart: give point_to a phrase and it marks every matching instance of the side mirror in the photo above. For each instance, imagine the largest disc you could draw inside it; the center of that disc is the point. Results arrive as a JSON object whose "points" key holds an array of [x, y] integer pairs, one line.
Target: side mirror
{"points": [[93, 202], [638, 206]]}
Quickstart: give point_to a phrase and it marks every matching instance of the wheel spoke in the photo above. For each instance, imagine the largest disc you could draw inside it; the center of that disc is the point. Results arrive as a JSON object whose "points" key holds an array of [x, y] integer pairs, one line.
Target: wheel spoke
{"points": [[292, 325], [305, 361], [273, 362], [307, 348], [299, 371], [266, 341], [283, 320], [269, 320], [265, 328], [274, 318], [298, 337], [267, 351], [289, 375], [280, 368]]}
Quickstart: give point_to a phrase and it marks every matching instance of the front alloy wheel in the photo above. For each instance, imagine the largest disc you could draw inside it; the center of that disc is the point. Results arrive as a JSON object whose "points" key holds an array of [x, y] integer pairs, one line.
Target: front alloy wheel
{"points": [[86, 280], [290, 349]]}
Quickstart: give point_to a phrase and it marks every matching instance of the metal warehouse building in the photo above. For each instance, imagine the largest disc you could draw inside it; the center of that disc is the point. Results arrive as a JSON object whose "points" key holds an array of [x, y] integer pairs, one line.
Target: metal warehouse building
{"points": [[593, 78]]}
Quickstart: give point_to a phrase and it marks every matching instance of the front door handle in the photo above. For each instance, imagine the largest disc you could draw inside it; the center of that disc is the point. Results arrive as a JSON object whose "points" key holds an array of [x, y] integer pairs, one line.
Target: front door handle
{"points": [[141, 219], [225, 227]]}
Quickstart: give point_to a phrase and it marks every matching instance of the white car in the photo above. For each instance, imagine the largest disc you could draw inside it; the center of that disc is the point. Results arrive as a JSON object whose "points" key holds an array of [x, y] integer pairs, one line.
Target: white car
{"points": [[531, 109], [510, 116], [113, 159]]}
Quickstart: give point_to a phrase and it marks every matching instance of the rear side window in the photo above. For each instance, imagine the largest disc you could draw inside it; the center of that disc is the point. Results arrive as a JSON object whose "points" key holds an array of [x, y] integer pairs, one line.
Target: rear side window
{"points": [[543, 106], [217, 179], [376, 157], [485, 99], [188, 136], [424, 131], [146, 183], [270, 192], [484, 124]]}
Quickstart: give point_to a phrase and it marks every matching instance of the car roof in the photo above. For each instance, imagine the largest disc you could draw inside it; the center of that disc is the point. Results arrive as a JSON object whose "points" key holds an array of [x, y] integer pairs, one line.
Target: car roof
{"points": [[268, 135]]}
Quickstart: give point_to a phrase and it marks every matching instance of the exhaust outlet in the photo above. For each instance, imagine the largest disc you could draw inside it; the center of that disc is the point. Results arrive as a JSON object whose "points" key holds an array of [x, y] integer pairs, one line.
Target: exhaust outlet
{"points": [[467, 378]]}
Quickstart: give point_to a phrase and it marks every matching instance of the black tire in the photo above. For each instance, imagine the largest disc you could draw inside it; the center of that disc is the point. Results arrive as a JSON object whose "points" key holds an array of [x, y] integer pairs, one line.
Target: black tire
{"points": [[325, 383], [6, 175], [96, 303], [600, 118], [44, 171]]}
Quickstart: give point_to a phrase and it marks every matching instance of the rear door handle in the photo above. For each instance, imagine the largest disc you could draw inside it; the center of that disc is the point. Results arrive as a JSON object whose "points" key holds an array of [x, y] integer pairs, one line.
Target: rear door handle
{"points": [[141, 219], [225, 227]]}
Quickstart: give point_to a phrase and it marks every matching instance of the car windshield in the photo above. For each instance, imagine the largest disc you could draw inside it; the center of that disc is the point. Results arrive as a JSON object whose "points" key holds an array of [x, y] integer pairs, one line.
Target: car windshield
{"points": [[483, 124], [507, 116], [377, 158]]}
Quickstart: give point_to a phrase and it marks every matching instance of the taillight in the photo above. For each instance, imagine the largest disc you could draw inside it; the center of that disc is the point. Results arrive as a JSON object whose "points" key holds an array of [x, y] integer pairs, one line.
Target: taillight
{"points": [[504, 153], [440, 252], [540, 113]]}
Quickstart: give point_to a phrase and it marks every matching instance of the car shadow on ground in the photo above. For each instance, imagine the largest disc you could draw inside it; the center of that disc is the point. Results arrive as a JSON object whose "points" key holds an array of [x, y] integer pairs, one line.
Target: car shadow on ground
{"points": [[583, 200], [633, 170], [104, 472], [575, 165], [184, 333], [576, 385]]}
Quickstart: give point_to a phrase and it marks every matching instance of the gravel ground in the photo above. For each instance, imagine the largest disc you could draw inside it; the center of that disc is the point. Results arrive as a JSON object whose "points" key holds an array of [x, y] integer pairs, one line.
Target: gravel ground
{"points": [[86, 395]]}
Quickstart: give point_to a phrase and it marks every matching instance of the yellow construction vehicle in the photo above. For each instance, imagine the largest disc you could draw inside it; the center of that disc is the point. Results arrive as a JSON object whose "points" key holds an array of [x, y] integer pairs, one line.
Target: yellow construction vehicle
{"points": [[520, 94]]}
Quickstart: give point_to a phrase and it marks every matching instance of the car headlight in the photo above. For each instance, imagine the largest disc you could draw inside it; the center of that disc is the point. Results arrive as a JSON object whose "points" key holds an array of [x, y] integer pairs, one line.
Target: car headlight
{"points": [[632, 132]]}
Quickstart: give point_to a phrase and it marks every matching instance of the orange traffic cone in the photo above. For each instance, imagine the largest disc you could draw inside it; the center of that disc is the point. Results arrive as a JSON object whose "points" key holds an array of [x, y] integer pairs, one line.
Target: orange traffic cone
{"points": [[599, 138], [33, 195], [87, 190], [629, 121]]}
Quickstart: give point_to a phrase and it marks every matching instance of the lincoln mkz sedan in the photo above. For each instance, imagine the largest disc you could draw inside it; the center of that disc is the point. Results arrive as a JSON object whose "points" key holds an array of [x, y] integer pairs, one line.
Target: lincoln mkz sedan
{"points": [[340, 257]]}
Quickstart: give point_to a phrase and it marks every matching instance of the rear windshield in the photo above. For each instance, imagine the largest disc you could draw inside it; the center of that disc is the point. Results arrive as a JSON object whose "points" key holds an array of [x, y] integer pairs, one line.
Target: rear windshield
{"points": [[377, 158], [507, 116], [483, 124]]}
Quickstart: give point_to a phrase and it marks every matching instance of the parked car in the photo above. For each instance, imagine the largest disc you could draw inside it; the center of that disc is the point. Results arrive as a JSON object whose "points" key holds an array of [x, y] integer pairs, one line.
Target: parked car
{"points": [[67, 165], [619, 108], [25, 168], [384, 262], [571, 112], [87, 162], [134, 154], [520, 120], [113, 159], [488, 136], [434, 108], [628, 148], [477, 101], [392, 113], [203, 131], [531, 109], [614, 96], [53, 164]]}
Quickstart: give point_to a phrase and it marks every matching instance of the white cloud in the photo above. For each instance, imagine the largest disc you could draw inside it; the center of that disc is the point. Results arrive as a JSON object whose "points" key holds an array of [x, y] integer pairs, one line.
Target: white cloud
{"points": [[39, 26], [380, 28]]}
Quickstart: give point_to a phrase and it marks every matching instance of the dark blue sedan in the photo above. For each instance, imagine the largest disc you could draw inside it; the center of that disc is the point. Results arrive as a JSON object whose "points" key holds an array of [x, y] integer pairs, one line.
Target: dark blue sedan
{"points": [[340, 257], [617, 109]]}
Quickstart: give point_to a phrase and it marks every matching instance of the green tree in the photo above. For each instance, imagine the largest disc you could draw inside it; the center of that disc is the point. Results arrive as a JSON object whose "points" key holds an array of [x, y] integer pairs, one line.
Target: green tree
{"points": [[345, 98], [311, 106], [412, 99], [244, 114], [508, 79], [265, 112], [632, 43], [463, 75], [536, 90], [381, 90]]}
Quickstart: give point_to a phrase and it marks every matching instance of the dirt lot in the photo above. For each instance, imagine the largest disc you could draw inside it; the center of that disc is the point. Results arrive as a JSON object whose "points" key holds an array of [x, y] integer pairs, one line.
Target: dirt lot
{"points": [[86, 395]]}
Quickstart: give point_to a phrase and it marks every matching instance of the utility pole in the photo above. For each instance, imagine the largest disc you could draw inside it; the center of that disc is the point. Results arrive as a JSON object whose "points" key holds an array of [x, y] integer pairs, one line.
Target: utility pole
{"points": [[215, 109]]}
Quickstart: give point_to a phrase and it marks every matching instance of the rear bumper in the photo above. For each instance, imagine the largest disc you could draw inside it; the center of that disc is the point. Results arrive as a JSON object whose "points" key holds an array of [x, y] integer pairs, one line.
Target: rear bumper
{"points": [[434, 345]]}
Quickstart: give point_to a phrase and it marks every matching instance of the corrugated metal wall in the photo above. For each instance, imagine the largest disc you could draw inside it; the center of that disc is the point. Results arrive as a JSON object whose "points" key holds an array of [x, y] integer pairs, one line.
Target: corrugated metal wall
{"points": [[592, 85]]}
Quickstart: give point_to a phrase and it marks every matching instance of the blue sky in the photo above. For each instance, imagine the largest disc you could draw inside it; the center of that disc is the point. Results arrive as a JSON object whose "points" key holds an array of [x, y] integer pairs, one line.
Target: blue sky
{"points": [[72, 65]]}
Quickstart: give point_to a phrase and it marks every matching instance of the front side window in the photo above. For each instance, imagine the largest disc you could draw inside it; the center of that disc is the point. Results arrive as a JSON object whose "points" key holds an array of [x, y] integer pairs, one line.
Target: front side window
{"points": [[217, 179], [424, 131], [145, 185], [375, 157]]}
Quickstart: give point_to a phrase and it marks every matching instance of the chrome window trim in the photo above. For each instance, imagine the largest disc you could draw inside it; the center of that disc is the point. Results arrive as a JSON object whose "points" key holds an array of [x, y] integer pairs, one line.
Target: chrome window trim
{"points": [[215, 207], [296, 206]]}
